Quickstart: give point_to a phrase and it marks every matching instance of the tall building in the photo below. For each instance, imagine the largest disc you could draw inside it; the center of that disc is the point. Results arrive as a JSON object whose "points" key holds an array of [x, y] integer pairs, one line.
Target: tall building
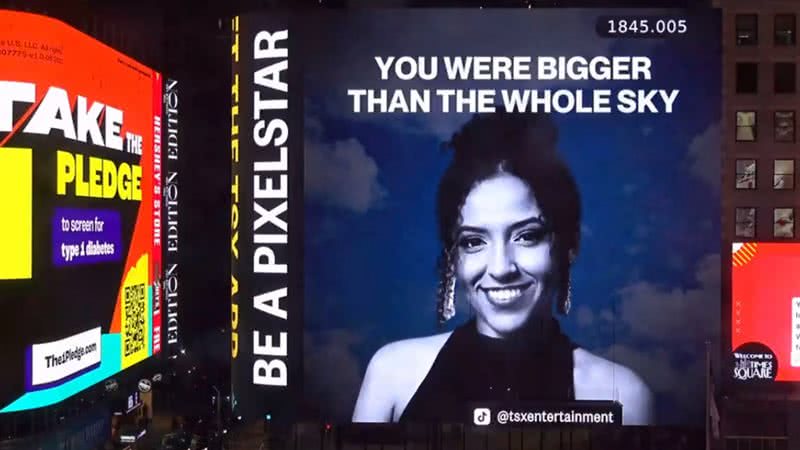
{"points": [[759, 199]]}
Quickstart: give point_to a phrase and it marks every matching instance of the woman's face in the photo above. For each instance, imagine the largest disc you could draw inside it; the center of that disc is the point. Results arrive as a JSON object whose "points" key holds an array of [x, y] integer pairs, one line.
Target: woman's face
{"points": [[503, 253]]}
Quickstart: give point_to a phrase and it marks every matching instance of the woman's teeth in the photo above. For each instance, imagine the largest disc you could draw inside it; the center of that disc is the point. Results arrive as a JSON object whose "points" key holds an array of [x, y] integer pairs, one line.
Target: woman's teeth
{"points": [[503, 295]]}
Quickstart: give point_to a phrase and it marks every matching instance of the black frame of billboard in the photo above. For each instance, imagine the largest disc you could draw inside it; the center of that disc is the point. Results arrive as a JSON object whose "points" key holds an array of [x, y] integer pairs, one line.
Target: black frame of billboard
{"points": [[256, 235]]}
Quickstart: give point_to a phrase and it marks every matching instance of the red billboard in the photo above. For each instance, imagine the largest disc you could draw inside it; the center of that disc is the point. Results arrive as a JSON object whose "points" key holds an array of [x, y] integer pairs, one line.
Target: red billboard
{"points": [[80, 193], [765, 319]]}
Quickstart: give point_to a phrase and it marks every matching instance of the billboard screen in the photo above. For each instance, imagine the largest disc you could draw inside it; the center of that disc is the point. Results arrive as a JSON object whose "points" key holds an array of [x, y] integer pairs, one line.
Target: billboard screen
{"points": [[80, 192], [765, 318], [509, 217]]}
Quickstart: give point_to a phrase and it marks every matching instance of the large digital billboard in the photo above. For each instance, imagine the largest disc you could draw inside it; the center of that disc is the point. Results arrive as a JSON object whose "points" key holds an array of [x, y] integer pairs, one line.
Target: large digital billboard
{"points": [[508, 216], [765, 312], [80, 195]]}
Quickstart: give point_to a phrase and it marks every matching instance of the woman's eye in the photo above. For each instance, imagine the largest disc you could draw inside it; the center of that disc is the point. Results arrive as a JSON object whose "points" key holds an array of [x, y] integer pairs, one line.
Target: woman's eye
{"points": [[471, 243], [531, 236]]}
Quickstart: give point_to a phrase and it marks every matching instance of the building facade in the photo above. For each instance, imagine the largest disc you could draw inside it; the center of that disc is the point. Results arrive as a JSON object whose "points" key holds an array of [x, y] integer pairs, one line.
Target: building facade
{"points": [[759, 196]]}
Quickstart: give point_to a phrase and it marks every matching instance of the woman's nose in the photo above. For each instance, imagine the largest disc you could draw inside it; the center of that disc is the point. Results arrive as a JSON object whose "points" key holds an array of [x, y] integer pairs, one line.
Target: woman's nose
{"points": [[502, 265]]}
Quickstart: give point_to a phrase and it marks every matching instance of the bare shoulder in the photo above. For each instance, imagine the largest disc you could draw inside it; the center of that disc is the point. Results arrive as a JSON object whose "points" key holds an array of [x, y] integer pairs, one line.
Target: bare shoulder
{"points": [[596, 367], [598, 378], [393, 375]]}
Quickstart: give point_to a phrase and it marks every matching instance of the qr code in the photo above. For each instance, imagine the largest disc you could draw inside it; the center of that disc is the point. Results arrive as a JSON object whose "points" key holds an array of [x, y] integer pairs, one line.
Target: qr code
{"points": [[135, 312]]}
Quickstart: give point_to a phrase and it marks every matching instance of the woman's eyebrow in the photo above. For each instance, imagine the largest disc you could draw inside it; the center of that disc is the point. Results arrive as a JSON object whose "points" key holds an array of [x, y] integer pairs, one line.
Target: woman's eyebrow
{"points": [[470, 229], [534, 220]]}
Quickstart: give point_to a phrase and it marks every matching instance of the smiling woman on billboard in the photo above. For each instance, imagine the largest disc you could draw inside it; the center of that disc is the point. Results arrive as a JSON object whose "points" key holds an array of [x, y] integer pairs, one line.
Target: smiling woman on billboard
{"points": [[509, 218]]}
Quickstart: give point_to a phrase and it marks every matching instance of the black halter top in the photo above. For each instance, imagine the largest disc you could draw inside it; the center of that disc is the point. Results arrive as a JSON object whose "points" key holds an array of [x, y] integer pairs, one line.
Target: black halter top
{"points": [[535, 364]]}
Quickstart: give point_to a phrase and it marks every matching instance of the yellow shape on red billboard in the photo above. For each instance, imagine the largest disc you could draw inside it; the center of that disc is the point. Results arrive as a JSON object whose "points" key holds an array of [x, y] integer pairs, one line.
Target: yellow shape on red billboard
{"points": [[16, 193], [135, 326]]}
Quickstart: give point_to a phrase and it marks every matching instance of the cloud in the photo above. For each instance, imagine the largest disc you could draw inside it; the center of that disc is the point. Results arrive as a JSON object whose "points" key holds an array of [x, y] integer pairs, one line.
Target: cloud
{"points": [[313, 126], [341, 174], [664, 314], [595, 323], [333, 372], [704, 156]]}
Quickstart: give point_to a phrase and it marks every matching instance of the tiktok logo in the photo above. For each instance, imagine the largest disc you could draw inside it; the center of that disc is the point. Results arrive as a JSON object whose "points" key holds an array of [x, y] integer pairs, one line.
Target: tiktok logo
{"points": [[482, 416]]}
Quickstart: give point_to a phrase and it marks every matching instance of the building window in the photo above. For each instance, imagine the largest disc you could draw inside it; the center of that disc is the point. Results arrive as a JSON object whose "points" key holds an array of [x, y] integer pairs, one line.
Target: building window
{"points": [[784, 78], [783, 223], [746, 126], [745, 174], [784, 126], [746, 223], [746, 78], [785, 29], [746, 29], [783, 177]]}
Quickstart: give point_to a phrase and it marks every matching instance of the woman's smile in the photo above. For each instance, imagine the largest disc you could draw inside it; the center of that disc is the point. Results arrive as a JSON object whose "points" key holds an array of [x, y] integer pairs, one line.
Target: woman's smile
{"points": [[506, 296]]}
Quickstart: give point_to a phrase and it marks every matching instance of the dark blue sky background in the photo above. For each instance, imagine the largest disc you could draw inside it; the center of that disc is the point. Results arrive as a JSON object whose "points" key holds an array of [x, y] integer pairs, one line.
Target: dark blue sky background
{"points": [[646, 283]]}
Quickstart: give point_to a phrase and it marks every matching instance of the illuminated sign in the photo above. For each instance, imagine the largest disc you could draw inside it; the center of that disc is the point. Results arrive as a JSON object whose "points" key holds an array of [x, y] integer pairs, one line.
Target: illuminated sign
{"points": [[54, 114], [237, 369], [81, 187], [131, 438], [145, 386], [54, 361], [266, 173], [765, 319], [171, 279], [596, 413], [133, 402], [446, 217]]}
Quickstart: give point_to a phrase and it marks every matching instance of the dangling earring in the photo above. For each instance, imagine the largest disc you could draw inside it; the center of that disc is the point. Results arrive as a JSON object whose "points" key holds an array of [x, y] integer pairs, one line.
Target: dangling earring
{"points": [[447, 288], [568, 300], [449, 309]]}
